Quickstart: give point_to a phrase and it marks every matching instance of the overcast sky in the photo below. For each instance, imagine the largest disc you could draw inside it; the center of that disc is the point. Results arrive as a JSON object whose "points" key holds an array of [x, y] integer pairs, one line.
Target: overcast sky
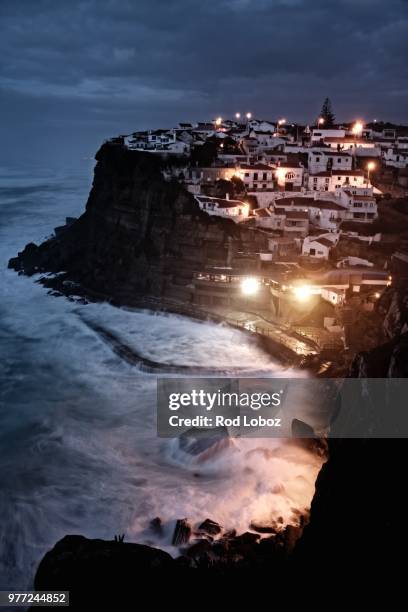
{"points": [[73, 72]]}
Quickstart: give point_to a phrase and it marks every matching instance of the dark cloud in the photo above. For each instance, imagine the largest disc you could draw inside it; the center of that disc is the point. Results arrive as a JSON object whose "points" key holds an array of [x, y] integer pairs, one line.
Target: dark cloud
{"points": [[87, 69]]}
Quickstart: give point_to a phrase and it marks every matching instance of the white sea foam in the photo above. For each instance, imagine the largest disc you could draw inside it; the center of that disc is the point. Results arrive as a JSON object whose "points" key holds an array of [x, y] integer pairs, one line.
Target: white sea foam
{"points": [[78, 446]]}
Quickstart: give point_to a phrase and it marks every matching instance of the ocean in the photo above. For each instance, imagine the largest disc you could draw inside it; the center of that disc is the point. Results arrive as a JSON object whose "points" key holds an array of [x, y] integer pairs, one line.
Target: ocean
{"points": [[79, 453]]}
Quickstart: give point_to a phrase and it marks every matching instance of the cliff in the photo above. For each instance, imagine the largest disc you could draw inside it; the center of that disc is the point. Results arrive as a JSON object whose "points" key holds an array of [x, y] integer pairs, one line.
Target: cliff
{"points": [[357, 514], [139, 236]]}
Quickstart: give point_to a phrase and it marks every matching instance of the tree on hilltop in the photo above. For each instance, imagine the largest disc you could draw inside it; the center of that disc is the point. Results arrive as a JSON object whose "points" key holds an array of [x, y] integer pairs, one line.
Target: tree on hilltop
{"points": [[327, 113]]}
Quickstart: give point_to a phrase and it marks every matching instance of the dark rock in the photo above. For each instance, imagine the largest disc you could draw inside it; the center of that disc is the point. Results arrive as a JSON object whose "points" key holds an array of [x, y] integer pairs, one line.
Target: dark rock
{"points": [[210, 527], [83, 566], [139, 236], [156, 526], [205, 443], [244, 544], [182, 532], [307, 438], [198, 548], [356, 510], [262, 528]]}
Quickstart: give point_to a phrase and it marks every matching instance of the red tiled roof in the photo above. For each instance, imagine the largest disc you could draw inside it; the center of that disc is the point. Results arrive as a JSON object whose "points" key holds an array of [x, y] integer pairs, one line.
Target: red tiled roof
{"points": [[324, 241], [256, 167], [339, 173], [297, 214]]}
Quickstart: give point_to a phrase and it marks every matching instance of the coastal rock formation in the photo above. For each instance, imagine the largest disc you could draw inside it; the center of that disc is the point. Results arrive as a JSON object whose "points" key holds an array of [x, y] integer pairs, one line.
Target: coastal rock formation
{"points": [[139, 236], [356, 511]]}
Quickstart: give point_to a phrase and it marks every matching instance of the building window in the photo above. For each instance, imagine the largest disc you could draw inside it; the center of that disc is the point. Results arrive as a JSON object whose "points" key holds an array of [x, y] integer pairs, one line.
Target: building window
{"points": [[315, 180], [317, 159], [255, 176], [264, 176]]}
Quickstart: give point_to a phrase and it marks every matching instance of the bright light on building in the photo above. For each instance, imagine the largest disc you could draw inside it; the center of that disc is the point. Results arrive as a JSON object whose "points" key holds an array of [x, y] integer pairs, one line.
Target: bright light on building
{"points": [[377, 295], [371, 165], [280, 175], [357, 128], [302, 293], [250, 285]]}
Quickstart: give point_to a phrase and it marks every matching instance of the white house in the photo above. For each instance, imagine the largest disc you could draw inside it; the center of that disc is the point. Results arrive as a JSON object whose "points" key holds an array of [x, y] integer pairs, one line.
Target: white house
{"points": [[360, 203], [319, 134], [324, 214], [317, 247], [335, 179], [289, 174], [334, 295], [230, 209], [256, 176], [261, 126], [396, 158], [264, 139], [348, 143], [323, 161]]}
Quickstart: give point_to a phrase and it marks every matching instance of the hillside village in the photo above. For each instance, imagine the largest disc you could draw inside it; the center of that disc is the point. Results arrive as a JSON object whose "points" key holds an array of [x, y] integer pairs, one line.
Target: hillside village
{"points": [[316, 194]]}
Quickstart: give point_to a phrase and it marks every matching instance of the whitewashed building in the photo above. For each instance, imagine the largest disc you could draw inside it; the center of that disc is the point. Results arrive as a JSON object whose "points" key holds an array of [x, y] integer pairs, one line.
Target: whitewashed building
{"points": [[396, 158], [256, 177], [230, 209], [289, 174], [335, 179], [360, 203], [323, 161], [320, 134], [318, 247]]}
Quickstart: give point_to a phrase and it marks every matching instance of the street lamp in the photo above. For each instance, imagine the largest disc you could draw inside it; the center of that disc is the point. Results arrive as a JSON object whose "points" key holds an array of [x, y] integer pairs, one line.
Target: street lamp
{"points": [[250, 285], [218, 121], [237, 115], [357, 128], [320, 121], [370, 166], [302, 293], [248, 116]]}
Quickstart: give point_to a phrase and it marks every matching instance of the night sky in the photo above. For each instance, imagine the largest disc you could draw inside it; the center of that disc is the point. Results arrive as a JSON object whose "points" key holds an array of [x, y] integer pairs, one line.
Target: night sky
{"points": [[75, 72]]}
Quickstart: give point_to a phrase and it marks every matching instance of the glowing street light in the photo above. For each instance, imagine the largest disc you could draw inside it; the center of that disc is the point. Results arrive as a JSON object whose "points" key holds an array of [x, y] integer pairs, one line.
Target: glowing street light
{"points": [[248, 116], [237, 115], [357, 128], [218, 121], [281, 121], [302, 293], [250, 285], [370, 167], [320, 121]]}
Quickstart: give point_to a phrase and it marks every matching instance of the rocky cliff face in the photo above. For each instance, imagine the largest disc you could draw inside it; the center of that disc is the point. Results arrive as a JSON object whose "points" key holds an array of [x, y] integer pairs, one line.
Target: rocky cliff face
{"points": [[139, 235], [357, 512]]}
